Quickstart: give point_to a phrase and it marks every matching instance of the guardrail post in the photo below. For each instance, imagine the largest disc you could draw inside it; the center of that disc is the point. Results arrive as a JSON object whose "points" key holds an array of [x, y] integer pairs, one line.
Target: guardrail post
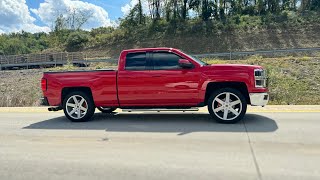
{"points": [[72, 58], [61, 58], [230, 55], [87, 60]]}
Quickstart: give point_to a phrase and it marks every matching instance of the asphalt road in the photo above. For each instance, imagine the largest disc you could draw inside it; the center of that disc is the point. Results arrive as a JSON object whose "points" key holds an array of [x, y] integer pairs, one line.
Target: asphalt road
{"points": [[159, 146]]}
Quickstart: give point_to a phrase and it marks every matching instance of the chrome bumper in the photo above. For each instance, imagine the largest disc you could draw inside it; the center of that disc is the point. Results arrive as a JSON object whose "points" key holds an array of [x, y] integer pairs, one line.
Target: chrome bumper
{"points": [[259, 99]]}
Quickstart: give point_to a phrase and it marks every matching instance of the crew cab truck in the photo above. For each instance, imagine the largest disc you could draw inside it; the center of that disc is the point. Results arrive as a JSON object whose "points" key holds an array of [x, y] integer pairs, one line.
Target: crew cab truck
{"points": [[161, 79]]}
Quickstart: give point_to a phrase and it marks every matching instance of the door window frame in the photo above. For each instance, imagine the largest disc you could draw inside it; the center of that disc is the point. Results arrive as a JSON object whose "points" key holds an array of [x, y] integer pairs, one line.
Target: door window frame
{"points": [[149, 65], [169, 52]]}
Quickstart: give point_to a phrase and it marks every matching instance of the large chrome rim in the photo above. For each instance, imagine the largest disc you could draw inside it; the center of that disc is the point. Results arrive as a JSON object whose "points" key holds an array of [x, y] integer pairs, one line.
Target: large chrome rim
{"points": [[227, 106], [76, 107]]}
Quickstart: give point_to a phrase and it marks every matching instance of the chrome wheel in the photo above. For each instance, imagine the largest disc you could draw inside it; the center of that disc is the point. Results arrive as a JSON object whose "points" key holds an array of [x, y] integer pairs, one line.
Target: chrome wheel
{"points": [[227, 106], [76, 107]]}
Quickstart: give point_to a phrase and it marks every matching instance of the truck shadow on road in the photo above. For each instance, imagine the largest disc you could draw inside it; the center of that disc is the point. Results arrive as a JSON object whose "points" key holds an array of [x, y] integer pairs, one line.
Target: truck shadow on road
{"points": [[180, 123]]}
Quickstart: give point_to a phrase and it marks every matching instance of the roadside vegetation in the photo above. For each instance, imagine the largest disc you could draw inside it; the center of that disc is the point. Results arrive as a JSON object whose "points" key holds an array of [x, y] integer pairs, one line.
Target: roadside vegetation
{"points": [[292, 80]]}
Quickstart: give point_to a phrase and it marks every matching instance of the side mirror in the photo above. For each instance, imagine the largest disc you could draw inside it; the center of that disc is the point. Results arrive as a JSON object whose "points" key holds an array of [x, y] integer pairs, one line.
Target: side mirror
{"points": [[185, 63]]}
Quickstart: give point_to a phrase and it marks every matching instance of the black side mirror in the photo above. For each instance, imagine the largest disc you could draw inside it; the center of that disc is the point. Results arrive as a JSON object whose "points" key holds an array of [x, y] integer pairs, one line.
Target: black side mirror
{"points": [[185, 64]]}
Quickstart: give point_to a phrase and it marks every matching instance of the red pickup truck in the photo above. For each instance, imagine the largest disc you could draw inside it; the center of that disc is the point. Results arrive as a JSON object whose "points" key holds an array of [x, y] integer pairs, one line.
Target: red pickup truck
{"points": [[157, 79]]}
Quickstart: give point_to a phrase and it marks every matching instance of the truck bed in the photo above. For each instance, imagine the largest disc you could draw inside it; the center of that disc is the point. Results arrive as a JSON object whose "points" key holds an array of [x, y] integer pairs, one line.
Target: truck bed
{"points": [[103, 84], [77, 71]]}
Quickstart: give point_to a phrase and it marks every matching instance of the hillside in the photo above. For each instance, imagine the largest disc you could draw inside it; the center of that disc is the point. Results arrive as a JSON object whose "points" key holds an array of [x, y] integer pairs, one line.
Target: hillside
{"points": [[266, 38], [284, 29]]}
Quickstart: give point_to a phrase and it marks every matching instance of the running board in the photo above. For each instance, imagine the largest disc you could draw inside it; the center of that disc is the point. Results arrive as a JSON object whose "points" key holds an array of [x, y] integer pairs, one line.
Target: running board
{"points": [[158, 110]]}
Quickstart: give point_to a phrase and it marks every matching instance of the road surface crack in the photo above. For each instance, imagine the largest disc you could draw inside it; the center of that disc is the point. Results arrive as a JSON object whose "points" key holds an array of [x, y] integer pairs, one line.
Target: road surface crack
{"points": [[252, 153]]}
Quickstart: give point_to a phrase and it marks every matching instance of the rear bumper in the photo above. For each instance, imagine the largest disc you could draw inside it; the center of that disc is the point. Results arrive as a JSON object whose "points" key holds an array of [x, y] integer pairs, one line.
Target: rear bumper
{"points": [[259, 99], [44, 101]]}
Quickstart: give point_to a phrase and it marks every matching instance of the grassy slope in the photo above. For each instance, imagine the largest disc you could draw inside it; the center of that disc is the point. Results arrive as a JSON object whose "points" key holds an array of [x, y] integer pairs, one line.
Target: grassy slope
{"points": [[293, 80], [20, 88], [197, 42]]}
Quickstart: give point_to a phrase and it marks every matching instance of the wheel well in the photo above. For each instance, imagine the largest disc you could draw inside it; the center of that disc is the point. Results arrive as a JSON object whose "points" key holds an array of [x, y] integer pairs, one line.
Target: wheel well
{"points": [[240, 86], [67, 90]]}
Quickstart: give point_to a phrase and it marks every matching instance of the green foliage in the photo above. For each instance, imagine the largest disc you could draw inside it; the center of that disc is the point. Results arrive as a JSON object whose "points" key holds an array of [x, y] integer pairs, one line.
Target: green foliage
{"points": [[23, 43], [168, 19], [77, 41]]}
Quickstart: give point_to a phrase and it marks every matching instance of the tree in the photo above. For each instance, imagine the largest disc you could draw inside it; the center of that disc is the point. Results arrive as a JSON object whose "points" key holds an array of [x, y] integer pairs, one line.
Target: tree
{"points": [[76, 18], [184, 9], [77, 40], [140, 13], [315, 5], [155, 8], [207, 8], [60, 23], [134, 18], [72, 19]]}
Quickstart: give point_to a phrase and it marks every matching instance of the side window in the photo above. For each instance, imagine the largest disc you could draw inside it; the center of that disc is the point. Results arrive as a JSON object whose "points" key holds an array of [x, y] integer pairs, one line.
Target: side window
{"points": [[136, 61], [165, 60]]}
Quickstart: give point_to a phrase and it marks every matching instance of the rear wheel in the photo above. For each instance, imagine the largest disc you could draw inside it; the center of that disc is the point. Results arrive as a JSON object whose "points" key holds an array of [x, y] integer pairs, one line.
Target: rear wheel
{"points": [[78, 106], [106, 109], [227, 105]]}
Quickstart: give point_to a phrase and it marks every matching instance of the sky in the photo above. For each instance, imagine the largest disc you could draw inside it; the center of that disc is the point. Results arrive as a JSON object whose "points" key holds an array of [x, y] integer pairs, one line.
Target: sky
{"points": [[39, 15]]}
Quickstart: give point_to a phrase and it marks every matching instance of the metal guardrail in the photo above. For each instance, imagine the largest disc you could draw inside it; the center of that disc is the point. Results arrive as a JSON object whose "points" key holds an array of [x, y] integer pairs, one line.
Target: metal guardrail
{"points": [[258, 52], [50, 59], [55, 59]]}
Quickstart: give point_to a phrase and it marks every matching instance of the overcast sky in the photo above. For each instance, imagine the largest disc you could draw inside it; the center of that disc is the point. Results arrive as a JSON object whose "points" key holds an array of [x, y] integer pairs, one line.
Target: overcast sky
{"points": [[38, 15]]}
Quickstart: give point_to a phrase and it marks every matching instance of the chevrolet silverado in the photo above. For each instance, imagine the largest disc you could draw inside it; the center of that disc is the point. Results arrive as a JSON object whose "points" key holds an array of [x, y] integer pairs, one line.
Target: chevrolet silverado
{"points": [[157, 79]]}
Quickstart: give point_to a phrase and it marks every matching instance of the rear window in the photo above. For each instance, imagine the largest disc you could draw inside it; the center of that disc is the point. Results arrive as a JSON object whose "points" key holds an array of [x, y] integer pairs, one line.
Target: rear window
{"points": [[136, 61]]}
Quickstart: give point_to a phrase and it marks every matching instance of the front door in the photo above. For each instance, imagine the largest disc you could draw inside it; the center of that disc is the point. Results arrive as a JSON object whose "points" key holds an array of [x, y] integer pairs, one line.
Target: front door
{"points": [[173, 85], [156, 79]]}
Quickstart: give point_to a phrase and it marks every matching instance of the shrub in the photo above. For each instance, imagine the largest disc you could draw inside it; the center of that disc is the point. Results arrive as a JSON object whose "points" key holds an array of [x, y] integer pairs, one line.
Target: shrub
{"points": [[77, 41]]}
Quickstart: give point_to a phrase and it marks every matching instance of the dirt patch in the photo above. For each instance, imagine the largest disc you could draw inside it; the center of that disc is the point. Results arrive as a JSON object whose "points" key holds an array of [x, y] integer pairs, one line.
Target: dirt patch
{"points": [[20, 88]]}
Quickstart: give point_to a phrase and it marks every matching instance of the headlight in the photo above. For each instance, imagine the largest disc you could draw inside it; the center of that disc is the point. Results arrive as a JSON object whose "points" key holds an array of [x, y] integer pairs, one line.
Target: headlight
{"points": [[260, 77]]}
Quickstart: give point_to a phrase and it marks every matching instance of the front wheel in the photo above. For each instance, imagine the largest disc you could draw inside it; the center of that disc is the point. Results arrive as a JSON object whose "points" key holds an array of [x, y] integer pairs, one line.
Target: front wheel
{"points": [[78, 106], [227, 105]]}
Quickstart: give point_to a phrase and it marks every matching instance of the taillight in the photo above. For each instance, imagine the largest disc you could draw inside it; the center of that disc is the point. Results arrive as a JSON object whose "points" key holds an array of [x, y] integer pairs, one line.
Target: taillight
{"points": [[44, 84]]}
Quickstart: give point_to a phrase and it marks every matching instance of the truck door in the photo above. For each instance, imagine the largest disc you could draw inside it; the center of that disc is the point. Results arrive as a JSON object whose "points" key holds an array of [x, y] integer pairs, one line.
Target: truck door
{"points": [[173, 85], [156, 79], [135, 81]]}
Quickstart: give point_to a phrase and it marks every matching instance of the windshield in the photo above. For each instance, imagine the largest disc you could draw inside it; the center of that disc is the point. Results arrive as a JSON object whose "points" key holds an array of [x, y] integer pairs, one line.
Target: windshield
{"points": [[199, 61], [196, 59]]}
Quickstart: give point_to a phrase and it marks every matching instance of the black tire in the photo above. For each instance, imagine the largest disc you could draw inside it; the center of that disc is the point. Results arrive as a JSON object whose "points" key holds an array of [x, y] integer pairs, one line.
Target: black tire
{"points": [[106, 110], [89, 103], [241, 108]]}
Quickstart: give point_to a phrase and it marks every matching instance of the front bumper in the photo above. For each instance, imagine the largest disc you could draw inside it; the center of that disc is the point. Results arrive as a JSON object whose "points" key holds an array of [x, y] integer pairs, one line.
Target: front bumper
{"points": [[259, 99]]}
